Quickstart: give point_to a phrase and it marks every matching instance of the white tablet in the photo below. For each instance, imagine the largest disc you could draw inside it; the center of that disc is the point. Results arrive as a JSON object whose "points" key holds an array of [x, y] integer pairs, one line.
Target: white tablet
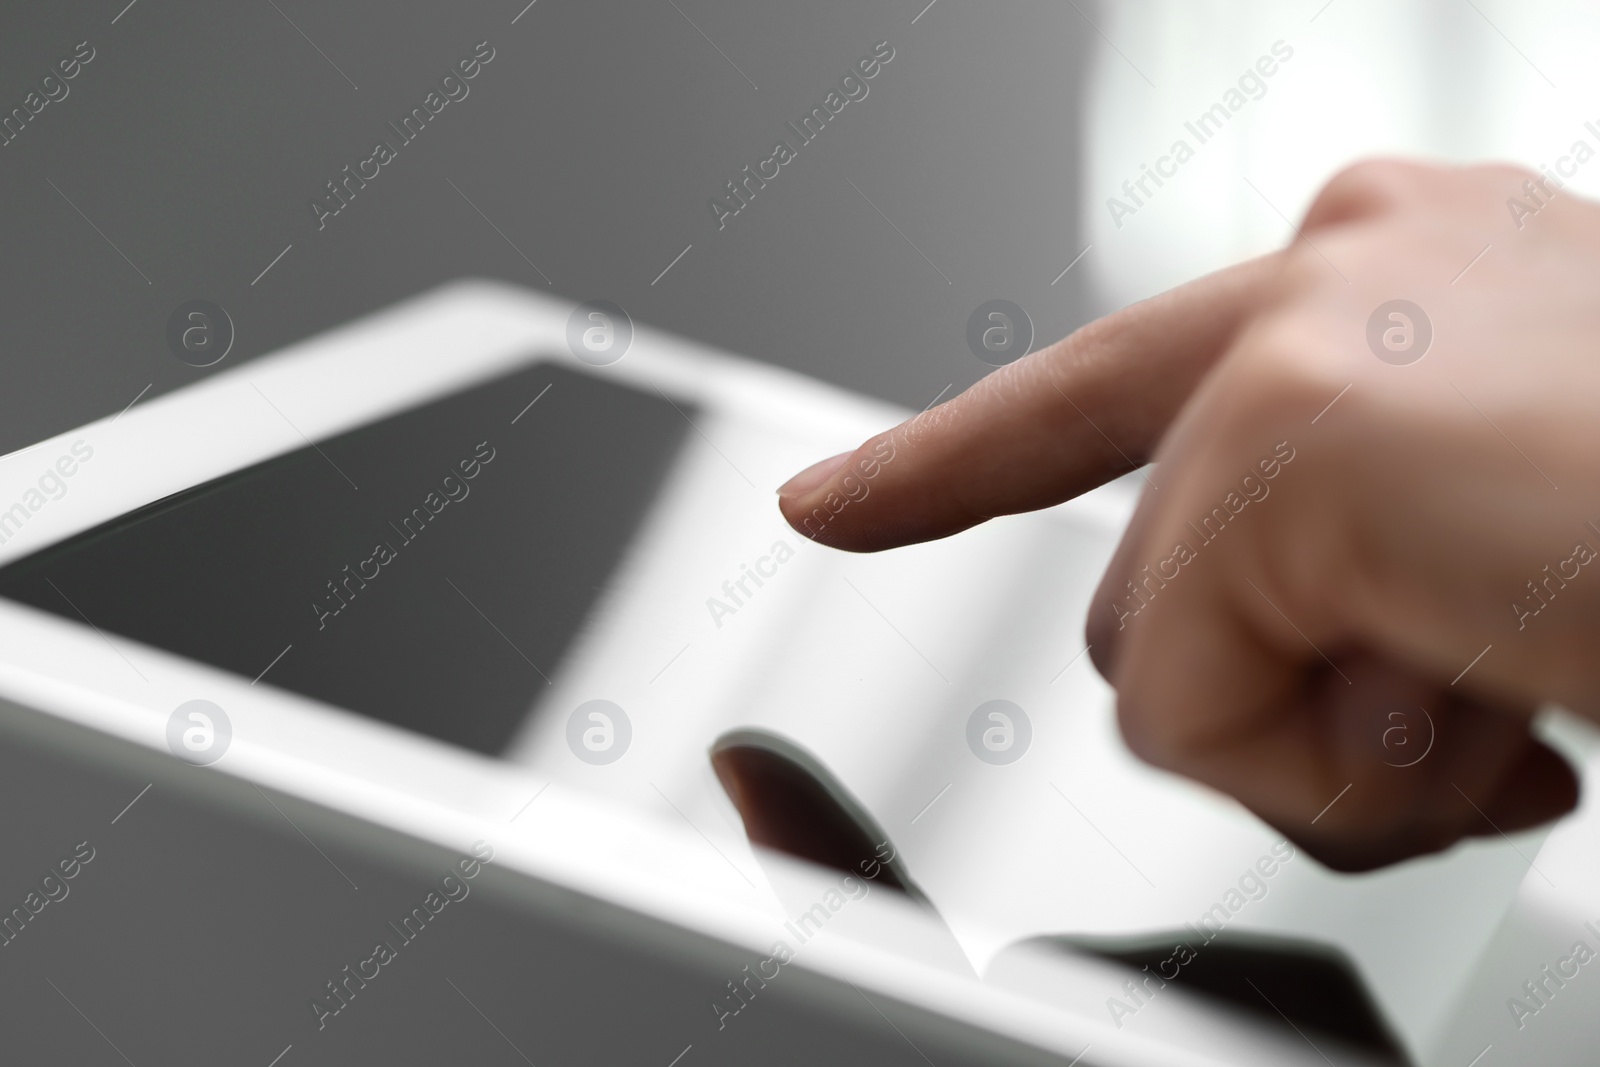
{"points": [[486, 566]]}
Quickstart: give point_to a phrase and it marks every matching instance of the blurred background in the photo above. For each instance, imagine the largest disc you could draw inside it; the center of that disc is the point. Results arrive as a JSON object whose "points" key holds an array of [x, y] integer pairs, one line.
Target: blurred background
{"points": [[582, 162], [183, 161]]}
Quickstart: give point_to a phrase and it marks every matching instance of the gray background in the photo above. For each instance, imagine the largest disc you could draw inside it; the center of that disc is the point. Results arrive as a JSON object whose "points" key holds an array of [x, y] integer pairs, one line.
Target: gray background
{"points": [[199, 133], [193, 142]]}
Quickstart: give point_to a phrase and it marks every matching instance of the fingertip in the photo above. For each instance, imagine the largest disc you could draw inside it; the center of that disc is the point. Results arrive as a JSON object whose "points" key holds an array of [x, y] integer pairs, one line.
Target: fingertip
{"points": [[812, 477], [801, 512], [797, 495], [848, 502]]}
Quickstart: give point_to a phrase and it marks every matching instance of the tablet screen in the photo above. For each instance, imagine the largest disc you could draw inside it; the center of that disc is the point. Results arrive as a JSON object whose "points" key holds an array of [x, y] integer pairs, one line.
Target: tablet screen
{"points": [[430, 569]]}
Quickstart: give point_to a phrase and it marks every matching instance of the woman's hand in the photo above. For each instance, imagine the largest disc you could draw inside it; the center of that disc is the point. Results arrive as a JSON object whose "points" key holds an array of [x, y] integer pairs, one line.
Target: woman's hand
{"points": [[1351, 527]]}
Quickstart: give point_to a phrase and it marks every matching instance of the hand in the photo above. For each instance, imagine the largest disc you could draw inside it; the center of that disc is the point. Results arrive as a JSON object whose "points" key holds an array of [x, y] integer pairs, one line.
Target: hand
{"points": [[1301, 578]]}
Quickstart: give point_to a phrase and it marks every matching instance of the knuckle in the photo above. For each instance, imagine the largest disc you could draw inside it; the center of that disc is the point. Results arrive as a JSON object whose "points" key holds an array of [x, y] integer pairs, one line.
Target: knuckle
{"points": [[1370, 188], [1146, 739], [1498, 174], [1281, 365]]}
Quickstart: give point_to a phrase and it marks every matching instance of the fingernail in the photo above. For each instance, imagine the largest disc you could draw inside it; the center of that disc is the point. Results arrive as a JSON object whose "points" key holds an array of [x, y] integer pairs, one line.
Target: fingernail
{"points": [[812, 476]]}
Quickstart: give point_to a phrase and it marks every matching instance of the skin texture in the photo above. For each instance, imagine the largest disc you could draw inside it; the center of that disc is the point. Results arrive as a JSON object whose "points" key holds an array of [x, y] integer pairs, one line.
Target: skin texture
{"points": [[1388, 552]]}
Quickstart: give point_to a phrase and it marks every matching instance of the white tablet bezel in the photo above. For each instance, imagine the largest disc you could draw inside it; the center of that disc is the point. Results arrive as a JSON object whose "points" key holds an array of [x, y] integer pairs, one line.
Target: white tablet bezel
{"points": [[381, 365]]}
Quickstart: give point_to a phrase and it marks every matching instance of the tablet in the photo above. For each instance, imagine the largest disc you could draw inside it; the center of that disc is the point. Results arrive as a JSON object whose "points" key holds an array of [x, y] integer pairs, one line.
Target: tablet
{"points": [[434, 582]]}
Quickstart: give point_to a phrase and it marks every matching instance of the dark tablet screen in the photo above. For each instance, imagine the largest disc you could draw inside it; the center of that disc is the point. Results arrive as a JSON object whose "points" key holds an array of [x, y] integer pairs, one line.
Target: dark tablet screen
{"points": [[430, 569]]}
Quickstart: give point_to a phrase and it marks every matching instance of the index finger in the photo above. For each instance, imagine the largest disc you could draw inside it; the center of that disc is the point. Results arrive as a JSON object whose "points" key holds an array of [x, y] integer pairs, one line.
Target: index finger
{"points": [[1041, 430]]}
